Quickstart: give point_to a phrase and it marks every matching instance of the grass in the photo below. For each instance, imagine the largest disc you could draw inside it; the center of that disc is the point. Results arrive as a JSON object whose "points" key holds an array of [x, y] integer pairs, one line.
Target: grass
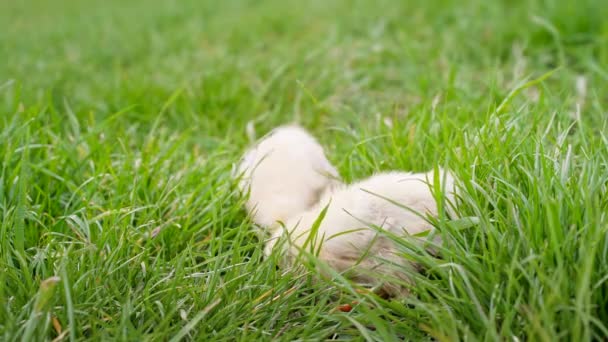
{"points": [[120, 123]]}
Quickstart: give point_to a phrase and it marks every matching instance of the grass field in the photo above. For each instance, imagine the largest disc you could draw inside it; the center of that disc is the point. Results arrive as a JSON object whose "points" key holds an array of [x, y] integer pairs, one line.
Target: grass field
{"points": [[120, 122]]}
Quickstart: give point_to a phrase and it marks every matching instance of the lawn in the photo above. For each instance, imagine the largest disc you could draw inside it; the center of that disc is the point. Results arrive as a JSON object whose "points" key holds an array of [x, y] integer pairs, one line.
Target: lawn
{"points": [[120, 122]]}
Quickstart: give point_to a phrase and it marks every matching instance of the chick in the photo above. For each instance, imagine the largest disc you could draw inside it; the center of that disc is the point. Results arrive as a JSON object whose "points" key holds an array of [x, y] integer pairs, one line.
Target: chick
{"points": [[285, 174], [347, 238]]}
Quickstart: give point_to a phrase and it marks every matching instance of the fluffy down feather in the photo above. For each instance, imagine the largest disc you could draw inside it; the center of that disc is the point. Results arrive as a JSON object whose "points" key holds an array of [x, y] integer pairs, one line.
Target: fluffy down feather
{"points": [[285, 174], [346, 238]]}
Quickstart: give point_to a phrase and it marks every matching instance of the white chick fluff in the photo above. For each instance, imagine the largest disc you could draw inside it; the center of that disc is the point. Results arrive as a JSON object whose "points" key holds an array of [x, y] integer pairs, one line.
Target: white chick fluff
{"points": [[285, 174], [348, 238]]}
